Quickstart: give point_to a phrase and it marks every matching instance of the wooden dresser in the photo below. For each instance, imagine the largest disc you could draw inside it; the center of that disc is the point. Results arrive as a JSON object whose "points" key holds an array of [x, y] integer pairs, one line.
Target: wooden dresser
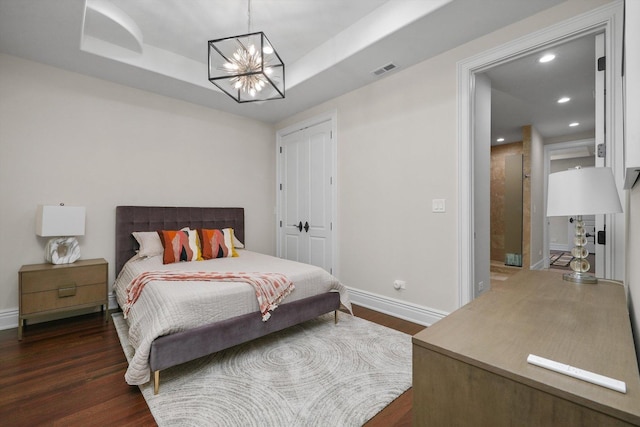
{"points": [[470, 368], [49, 288]]}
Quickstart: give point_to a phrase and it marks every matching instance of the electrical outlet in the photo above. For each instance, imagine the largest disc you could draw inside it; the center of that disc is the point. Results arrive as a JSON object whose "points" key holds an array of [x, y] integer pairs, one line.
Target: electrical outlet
{"points": [[481, 286]]}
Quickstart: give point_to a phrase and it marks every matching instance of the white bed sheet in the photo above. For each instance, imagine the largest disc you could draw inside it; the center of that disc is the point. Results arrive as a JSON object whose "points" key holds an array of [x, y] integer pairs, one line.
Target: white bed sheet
{"points": [[168, 307]]}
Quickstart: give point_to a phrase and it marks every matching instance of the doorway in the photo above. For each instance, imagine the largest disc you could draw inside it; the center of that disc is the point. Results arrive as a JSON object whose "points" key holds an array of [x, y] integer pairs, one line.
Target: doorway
{"points": [[306, 193], [607, 20]]}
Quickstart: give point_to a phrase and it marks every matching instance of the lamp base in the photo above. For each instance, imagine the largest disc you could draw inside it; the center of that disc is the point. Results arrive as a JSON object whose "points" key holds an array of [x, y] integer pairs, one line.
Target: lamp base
{"points": [[62, 250], [580, 278]]}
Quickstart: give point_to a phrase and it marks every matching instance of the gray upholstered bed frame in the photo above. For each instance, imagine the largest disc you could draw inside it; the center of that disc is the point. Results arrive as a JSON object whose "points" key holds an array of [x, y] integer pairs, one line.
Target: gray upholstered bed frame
{"points": [[174, 349]]}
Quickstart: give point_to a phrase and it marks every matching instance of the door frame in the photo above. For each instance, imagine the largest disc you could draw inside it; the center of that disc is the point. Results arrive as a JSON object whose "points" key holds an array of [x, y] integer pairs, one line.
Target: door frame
{"points": [[608, 19], [330, 116]]}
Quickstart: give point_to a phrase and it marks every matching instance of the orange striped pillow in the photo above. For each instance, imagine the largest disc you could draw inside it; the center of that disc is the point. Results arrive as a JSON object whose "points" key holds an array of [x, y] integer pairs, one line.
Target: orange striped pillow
{"points": [[180, 245], [217, 243]]}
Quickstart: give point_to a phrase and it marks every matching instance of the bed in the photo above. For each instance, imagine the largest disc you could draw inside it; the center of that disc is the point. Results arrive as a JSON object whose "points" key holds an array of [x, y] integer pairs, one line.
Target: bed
{"points": [[214, 316]]}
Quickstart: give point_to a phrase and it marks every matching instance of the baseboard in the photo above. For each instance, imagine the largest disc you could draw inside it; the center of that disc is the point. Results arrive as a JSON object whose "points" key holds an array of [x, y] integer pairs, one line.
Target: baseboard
{"points": [[540, 265], [9, 319], [393, 307], [113, 304]]}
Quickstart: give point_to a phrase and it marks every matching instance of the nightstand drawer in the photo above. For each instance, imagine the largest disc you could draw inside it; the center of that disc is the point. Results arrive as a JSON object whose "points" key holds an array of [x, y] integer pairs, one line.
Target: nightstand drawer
{"points": [[63, 297], [52, 280]]}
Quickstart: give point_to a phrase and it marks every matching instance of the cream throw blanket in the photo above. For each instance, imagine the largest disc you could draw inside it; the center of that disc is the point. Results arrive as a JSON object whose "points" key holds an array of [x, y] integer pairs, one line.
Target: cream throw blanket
{"points": [[270, 288]]}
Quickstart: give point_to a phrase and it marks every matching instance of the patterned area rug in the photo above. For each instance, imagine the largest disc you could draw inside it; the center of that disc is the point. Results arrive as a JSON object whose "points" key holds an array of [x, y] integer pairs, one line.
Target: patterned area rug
{"points": [[313, 374], [561, 259]]}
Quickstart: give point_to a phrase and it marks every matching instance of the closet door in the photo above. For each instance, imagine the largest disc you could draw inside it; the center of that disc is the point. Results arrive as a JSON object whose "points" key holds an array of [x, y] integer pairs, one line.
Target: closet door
{"points": [[295, 195], [306, 196]]}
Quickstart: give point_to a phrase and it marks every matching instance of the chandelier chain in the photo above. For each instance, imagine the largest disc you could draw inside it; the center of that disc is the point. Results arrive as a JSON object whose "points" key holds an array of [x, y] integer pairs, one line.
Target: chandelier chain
{"points": [[248, 16]]}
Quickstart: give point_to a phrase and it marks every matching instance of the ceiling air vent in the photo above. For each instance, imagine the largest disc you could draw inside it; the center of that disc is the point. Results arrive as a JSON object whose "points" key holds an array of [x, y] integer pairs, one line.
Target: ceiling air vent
{"points": [[384, 69]]}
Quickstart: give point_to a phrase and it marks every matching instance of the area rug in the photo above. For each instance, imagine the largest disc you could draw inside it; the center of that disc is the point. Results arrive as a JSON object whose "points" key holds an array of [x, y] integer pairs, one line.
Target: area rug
{"points": [[554, 256], [561, 260], [314, 374]]}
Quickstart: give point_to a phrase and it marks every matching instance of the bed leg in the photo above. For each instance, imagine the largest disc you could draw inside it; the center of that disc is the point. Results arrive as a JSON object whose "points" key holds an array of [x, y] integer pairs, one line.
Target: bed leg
{"points": [[156, 382], [335, 317]]}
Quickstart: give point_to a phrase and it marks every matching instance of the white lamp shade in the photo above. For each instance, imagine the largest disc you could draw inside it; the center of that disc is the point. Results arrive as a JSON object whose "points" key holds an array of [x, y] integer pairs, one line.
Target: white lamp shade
{"points": [[582, 191], [55, 221]]}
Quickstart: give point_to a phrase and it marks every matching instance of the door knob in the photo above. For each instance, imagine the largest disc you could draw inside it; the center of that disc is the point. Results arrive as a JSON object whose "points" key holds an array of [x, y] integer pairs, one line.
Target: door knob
{"points": [[306, 226], [300, 226]]}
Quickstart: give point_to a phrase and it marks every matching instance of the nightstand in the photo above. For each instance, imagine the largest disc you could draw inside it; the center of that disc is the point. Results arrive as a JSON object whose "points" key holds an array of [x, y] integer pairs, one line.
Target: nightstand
{"points": [[48, 288]]}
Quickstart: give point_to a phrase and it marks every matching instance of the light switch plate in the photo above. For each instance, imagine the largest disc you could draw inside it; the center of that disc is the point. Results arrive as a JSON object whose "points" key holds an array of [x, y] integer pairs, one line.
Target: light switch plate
{"points": [[438, 205]]}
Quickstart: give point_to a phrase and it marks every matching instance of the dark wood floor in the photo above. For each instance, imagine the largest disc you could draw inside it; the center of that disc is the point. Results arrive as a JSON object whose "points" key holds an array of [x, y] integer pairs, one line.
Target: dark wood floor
{"points": [[70, 373]]}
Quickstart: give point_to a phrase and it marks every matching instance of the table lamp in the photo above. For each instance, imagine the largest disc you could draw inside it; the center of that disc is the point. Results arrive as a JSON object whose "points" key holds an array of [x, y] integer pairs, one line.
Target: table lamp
{"points": [[62, 223], [578, 192]]}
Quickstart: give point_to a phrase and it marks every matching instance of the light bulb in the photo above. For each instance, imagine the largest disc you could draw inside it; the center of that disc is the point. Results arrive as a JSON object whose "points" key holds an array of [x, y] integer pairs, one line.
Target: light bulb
{"points": [[547, 58]]}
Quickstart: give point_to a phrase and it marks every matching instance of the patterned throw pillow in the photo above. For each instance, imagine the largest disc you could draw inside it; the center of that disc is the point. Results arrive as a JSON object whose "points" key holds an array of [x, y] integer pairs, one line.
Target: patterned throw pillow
{"points": [[180, 245], [217, 243]]}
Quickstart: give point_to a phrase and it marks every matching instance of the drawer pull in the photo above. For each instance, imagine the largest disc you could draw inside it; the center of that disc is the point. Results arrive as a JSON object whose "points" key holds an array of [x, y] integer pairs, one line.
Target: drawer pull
{"points": [[69, 291]]}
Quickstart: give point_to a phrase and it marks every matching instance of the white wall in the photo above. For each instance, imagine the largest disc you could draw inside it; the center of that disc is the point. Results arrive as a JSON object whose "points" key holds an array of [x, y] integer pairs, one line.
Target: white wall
{"points": [[482, 191], [633, 266], [69, 138], [538, 215], [397, 150]]}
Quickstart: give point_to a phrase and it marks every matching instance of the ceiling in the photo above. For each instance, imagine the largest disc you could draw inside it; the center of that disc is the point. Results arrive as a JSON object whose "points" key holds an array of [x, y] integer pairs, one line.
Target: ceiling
{"points": [[329, 47], [525, 92]]}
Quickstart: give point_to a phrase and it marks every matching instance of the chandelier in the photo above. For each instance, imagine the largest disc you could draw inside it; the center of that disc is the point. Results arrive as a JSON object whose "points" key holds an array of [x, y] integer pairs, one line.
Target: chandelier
{"points": [[246, 67]]}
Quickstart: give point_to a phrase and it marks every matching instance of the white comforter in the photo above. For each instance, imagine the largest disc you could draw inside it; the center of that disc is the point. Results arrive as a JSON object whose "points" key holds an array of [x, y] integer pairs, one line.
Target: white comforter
{"points": [[167, 307]]}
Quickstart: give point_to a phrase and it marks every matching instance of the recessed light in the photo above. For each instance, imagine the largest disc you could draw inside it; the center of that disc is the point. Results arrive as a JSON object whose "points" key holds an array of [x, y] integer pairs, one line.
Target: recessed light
{"points": [[500, 140], [546, 58], [574, 124], [564, 99]]}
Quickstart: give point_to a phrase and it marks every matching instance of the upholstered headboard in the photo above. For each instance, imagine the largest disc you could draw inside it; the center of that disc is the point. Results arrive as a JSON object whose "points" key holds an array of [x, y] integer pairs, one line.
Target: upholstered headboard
{"points": [[154, 218]]}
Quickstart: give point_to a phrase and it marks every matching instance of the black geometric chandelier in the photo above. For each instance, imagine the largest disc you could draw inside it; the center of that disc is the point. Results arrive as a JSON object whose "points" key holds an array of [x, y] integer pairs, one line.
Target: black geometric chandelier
{"points": [[246, 67]]}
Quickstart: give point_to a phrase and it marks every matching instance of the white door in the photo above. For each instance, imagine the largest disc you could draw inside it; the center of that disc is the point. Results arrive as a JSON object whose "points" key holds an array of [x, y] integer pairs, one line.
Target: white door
{"points": [[306, 198], [589, 222], [594, 223], [601, 255]]}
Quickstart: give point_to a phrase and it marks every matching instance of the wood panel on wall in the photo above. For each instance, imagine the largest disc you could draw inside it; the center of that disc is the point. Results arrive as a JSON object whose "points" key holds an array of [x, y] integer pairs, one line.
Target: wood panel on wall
{"points": [[498, 191]]}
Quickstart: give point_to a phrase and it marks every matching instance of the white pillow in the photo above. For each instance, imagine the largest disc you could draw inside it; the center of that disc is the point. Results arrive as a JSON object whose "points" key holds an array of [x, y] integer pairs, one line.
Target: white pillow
{"points": [[237, 243], [150, 243]]}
